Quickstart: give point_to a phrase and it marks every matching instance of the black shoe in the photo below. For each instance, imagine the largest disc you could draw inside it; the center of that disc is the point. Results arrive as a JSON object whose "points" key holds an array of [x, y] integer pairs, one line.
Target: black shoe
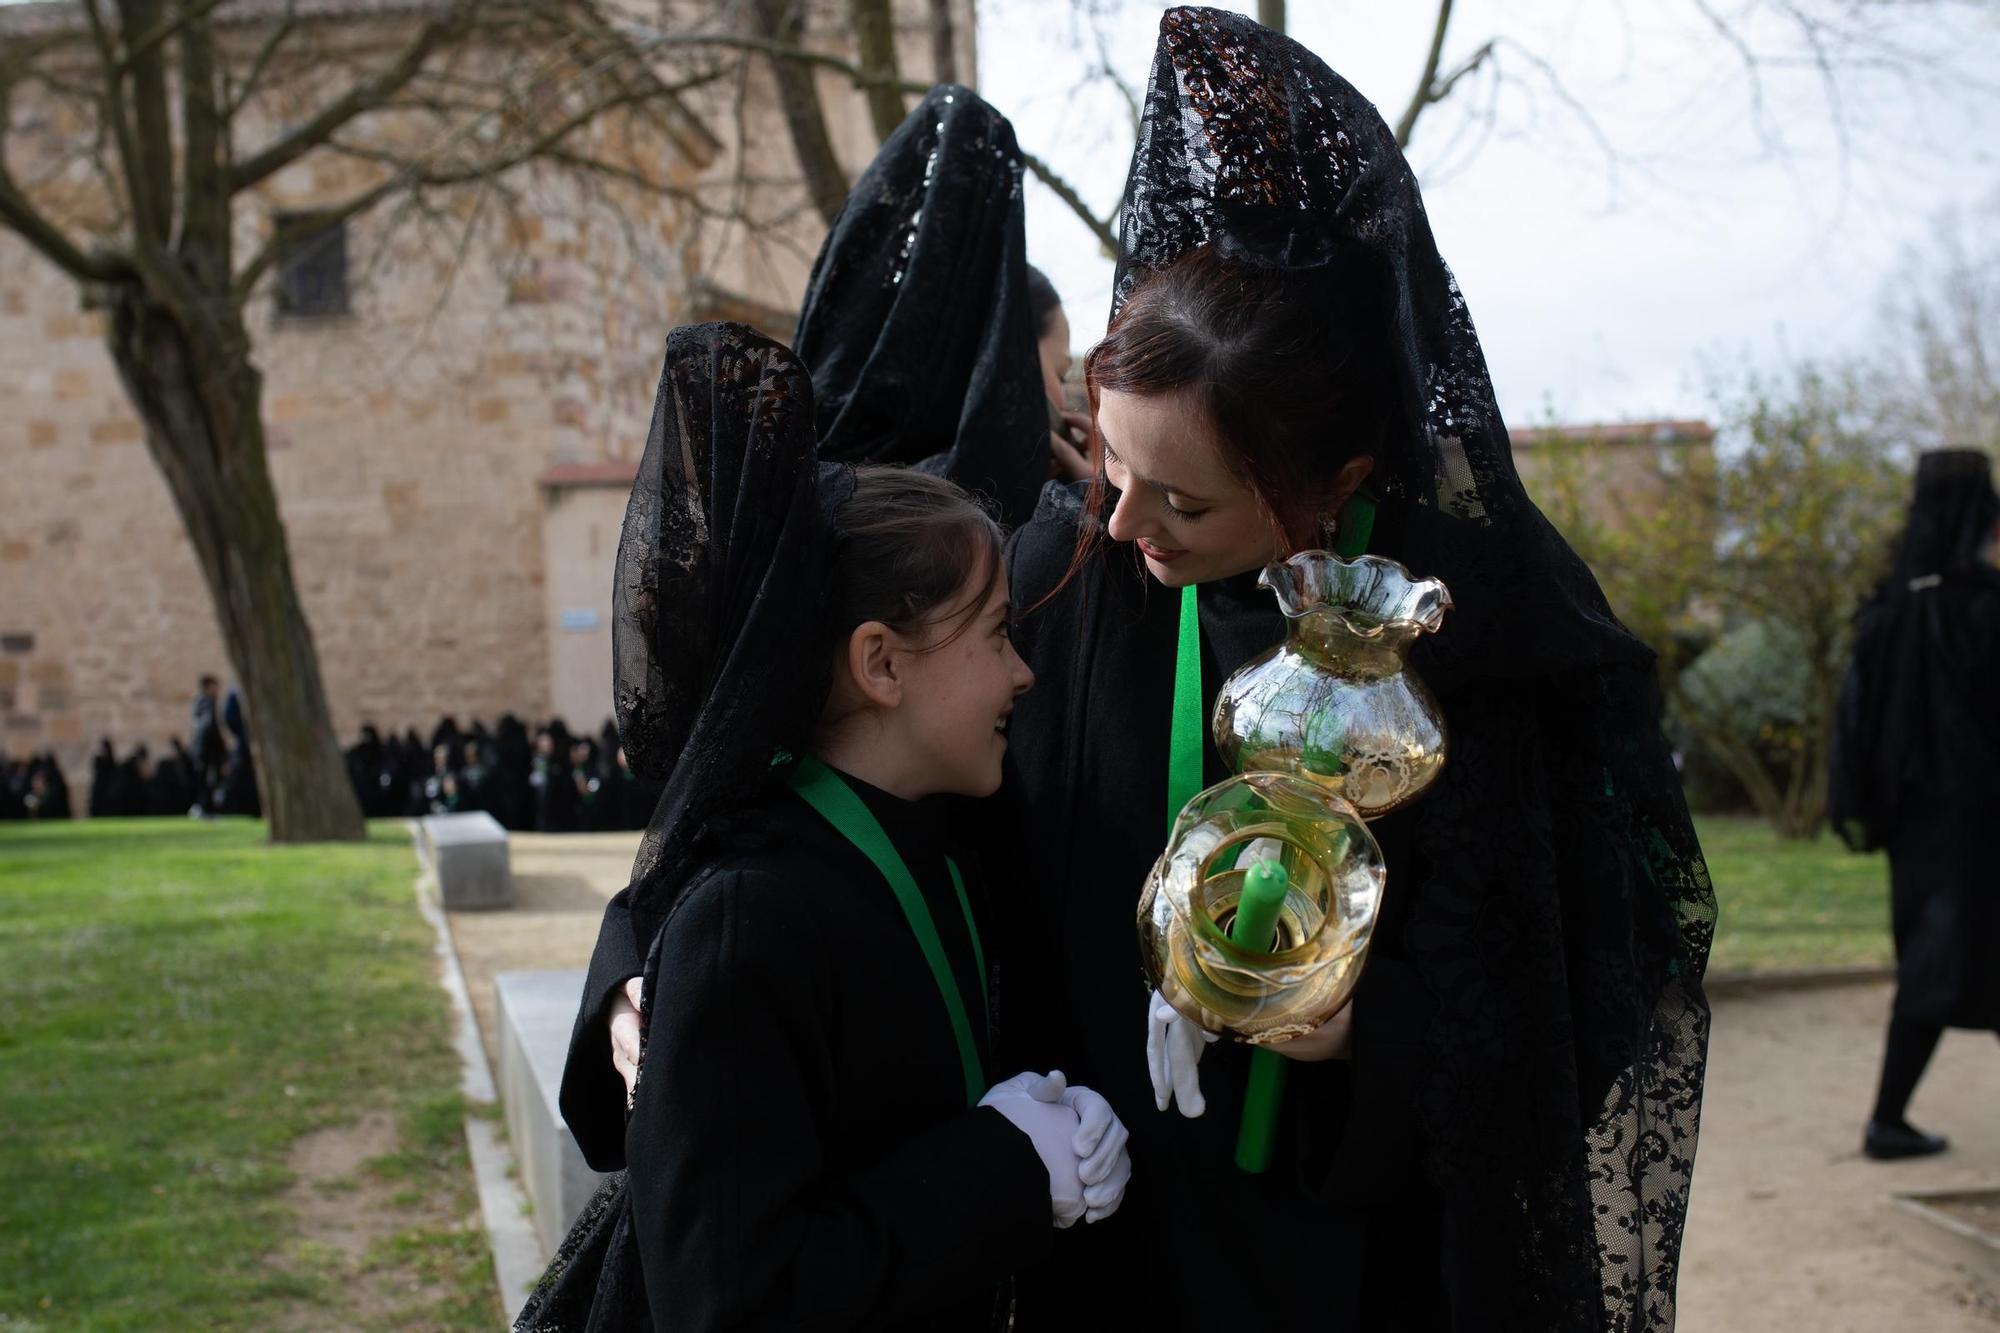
{"points": [[1886, 1143]]}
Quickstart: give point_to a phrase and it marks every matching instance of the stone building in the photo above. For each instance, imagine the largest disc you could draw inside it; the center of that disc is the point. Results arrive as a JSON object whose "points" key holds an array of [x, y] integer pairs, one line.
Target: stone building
{"points": [[1620, 468], [451, 435]]}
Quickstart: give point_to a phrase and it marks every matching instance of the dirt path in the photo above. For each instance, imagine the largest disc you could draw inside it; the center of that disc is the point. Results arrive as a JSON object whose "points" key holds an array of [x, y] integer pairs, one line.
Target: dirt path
{"points": [[561, 883], [1791, 1228]]}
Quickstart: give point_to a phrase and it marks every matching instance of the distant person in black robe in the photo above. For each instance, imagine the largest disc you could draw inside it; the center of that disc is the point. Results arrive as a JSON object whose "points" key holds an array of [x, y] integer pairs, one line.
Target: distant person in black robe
{"points": [[815, 1138], [513, 797], [103, 780], [205, 736], [238, 795], [369, 774], [1916, 770], [554, 785]]}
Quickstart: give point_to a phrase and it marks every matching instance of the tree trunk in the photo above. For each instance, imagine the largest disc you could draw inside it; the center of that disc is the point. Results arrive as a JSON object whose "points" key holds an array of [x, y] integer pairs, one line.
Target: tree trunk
{"points": [[798, 98], [187, 369], [944, 43], [1271, 13], [875, 41]]}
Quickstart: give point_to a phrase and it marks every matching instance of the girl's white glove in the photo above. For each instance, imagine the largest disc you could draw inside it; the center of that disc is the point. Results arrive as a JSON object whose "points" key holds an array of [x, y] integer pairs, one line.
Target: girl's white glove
{"points": [[1173, 1055], [1102, 1163], [1033, 1103]]}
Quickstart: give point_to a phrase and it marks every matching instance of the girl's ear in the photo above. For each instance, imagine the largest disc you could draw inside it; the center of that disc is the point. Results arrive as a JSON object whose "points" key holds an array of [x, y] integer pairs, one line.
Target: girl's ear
{"points": [[872, 665]]}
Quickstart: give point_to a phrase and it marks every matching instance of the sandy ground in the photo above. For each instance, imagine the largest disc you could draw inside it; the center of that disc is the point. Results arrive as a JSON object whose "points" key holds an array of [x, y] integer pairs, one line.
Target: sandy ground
{"points": [[561, 882], [1791, 1227]]}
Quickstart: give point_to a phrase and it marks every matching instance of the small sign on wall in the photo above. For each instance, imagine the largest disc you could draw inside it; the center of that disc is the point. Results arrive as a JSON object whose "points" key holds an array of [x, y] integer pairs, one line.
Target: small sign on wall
{"points": [[579, 619]]}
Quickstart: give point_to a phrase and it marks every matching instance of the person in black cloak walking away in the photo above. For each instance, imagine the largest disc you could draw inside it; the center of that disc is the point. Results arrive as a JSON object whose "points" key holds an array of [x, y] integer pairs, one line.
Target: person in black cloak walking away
{"points": [[1915, 768], [917, 324], [814, 1139], [1499, 1131]]}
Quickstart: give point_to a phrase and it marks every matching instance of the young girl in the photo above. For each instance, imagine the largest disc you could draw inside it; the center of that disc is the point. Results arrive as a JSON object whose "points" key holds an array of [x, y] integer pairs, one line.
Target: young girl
{"points": [[807, 656]]}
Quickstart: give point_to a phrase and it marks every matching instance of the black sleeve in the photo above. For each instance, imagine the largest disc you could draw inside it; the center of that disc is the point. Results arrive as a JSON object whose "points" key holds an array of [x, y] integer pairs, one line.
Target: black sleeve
{"points": [[741, 1223], [592, 1098]]}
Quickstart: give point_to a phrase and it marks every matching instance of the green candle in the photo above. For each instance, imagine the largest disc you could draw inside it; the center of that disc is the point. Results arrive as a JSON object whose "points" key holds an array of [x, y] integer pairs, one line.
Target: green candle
{"points": [[1263, 897], [1257, 907]]}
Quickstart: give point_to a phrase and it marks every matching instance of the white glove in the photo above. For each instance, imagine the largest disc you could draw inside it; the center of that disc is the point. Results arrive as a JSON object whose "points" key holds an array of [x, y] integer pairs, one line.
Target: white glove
{"points": [[1103, 1164], [1173, 1052], [1033, 1103]]}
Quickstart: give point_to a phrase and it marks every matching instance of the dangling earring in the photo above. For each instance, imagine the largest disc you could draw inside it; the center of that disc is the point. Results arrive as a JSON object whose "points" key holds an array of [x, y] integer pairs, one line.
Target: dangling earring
{"points": [[1329, 525]]}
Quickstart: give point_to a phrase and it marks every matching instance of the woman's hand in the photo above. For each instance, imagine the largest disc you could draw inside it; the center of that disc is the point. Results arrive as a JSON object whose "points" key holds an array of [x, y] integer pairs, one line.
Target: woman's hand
{"points": [[1068, 462], [624, 1024], [1173, 1057], [1331, 1040]]}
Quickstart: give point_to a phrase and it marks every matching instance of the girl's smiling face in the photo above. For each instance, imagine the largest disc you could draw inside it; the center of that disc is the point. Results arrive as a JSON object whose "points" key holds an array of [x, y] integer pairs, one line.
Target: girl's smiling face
{"points": [[960, 685], [1192, 518]]}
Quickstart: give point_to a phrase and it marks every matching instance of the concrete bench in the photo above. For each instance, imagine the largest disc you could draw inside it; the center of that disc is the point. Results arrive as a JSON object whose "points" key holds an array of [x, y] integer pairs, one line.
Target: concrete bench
{"points": [[470, 853], [534, 1013]]}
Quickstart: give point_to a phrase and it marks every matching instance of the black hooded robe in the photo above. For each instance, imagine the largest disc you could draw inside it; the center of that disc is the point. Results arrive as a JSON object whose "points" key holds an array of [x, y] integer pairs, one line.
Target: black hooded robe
{"points": [[1916, 757]]}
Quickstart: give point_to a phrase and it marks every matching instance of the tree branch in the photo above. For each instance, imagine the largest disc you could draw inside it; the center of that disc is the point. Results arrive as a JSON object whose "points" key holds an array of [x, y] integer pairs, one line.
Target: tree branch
{"points": [[780, 23], [240, 95], [1099, 227], [1426, 92], [358, 100], [156, 36], [152, 125], [205, 231], [944, 43], [112, 107], [25, 220]]}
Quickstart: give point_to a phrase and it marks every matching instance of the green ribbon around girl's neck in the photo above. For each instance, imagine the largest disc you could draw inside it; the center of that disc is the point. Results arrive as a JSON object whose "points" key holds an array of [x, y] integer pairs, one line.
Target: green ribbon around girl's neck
{"points": [[825, 791]]}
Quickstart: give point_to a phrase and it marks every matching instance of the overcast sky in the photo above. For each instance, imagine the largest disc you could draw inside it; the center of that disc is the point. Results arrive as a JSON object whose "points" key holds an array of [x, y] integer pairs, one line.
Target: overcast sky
{"points": [[1604, 286]]}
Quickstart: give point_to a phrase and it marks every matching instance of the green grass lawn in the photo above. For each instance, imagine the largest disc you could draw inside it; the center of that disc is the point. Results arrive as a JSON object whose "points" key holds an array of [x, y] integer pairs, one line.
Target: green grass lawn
{"points": [[1793, 904], [179, 1003]]}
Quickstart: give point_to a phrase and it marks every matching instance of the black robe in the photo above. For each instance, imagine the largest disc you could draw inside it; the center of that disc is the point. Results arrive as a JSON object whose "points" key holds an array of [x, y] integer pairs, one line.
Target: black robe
{"points": [[1944, 893], [800, 1151], [1345, 1211]]}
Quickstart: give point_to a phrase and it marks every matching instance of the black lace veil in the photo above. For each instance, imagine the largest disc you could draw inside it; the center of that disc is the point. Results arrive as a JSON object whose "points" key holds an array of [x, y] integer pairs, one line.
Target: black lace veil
{"points": [[1562, 910], [1912, 720], [916, 323], [720, 583]]}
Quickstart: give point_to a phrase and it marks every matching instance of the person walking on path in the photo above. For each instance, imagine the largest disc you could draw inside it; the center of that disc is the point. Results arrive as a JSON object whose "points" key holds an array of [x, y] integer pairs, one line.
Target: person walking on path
{"points": [[1916, 770]]}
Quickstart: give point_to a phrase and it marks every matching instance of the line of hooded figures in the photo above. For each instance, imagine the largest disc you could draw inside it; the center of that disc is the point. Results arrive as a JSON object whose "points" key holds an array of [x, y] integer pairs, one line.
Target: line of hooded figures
{"points": [[548, 780]]}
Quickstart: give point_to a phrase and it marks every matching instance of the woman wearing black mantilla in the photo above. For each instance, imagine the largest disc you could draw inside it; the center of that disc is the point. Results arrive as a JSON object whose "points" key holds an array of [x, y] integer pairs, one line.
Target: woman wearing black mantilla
{"points": [[1509, 1140]]}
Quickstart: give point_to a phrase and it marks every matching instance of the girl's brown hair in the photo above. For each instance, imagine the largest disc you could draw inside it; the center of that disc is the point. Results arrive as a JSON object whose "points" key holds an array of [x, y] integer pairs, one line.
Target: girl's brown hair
{"points": [[909, 543]]}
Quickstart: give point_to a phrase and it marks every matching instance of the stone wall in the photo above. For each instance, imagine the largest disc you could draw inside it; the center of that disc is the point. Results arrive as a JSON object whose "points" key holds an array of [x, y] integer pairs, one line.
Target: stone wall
{"points": [[409, 444]]}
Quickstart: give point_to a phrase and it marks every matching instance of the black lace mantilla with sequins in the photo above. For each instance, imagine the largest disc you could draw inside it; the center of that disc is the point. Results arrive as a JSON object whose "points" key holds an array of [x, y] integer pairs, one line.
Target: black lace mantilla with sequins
{"points": [[1562, 912], [916, 324]]}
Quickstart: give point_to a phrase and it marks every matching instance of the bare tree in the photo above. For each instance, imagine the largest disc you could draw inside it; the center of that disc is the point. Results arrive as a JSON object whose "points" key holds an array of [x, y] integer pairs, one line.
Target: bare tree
{"points": [[188, 110], [1937, 377]]}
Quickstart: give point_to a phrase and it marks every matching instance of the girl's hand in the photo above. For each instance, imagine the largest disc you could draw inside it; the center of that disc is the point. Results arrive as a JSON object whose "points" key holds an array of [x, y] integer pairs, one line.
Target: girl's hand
{"points": [[1331, 1040], [624, 1015]]}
